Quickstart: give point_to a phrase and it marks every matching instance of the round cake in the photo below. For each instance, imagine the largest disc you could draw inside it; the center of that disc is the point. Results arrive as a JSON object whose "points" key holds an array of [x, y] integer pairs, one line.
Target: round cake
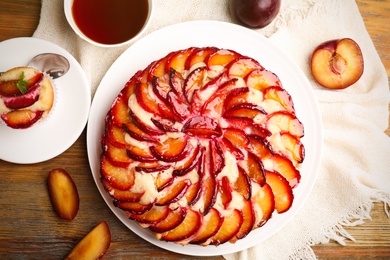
{"points": [[202, 147], [26, 96]]}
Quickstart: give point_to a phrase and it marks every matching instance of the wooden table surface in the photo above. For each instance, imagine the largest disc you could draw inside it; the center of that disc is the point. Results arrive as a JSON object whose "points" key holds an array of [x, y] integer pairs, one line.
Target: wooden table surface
{"points": [[30, 229]]}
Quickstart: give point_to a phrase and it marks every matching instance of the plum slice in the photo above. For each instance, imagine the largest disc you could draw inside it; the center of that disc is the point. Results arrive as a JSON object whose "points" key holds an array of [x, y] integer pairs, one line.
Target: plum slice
{"points": [[185, 229], [264, 199], [254, 168], [117, 154], [243, 185], [247, 110], [225, 190], [23, 101], [236, 137], [144, 97], [240, 67], [174, 192], [210, 225], [119, 177], [261, 79], [21, 119], [133, 207], [180, 107], [94, 245], [247, 223], [220, 58], [9, 88], [230, 226], [178, 60], [259, 147], [116, 135], [121, 195], [191, 163], [63, 193], [150, 130], [152, 216], [174, 218], [199, 56], [202, 127], [171, 150], [194, 82], [280, 95], [282, 191], [157, 69], [217, 158], [286, 168], [283, 121], [294, 148]]}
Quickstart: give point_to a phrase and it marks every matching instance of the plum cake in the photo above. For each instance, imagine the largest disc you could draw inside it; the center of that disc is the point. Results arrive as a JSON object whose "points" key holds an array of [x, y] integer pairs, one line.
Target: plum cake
{"points": [[26, 96], [202, 147]]}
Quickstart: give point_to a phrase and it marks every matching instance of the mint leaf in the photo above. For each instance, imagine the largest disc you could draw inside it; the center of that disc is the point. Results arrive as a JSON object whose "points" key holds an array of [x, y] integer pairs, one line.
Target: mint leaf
{"points": [[21, 84]]}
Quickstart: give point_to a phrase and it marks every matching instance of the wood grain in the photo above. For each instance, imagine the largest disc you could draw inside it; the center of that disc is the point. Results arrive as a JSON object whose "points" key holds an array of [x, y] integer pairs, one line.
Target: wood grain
{"points": [[30, 229]]}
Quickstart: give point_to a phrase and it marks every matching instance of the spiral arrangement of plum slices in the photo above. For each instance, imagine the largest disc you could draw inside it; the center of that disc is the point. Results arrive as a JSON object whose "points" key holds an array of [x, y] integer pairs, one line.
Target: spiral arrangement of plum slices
{"points": [[202, 147]]}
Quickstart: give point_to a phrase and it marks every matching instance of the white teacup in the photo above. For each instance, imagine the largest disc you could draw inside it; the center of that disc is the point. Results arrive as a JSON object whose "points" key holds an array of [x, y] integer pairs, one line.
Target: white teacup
{"points": [[88, 30]]}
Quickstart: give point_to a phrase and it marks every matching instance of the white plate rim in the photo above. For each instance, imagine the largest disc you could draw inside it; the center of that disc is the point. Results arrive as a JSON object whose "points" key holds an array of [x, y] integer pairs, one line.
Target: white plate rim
{"points": [[64, 124], [222, 35]]}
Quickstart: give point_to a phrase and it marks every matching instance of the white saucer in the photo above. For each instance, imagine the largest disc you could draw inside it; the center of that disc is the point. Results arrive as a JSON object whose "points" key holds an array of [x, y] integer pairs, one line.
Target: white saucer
{"points": [[64, 124]]}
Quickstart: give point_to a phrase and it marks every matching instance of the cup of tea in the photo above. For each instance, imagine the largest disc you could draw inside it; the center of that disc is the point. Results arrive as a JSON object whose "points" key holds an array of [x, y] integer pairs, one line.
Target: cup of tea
{"points": [[108, 23]]}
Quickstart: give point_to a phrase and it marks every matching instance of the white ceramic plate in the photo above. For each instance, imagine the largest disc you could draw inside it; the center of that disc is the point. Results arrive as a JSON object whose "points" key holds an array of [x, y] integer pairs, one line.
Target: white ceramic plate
{"points": [[64, 124], [222, 35]]}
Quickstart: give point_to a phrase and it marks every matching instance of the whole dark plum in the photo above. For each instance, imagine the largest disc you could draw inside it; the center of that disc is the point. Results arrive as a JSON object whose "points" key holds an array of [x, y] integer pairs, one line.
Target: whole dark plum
{"points": [[255, 13]]}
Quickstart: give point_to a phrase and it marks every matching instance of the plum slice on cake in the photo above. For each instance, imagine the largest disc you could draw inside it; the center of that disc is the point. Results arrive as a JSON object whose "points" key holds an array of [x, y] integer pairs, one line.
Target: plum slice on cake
{"points": [[202, 147]]}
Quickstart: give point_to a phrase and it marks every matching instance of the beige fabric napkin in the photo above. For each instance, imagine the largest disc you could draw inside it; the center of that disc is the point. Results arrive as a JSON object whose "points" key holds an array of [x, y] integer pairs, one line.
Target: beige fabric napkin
{"points": [[355, 169]]}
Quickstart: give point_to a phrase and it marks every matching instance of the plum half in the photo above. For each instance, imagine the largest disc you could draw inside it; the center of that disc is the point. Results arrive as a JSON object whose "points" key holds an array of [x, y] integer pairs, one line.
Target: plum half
{"points": [[337, 64]]}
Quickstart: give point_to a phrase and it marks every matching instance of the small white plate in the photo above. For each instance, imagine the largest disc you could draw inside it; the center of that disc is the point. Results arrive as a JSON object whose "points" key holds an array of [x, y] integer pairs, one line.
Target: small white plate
{"points": [[56, 133], [222, 35]]}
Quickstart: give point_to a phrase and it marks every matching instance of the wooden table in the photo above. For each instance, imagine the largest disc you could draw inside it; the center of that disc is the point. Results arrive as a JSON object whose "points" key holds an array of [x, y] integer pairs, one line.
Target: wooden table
{"points": [[30, 229]]}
